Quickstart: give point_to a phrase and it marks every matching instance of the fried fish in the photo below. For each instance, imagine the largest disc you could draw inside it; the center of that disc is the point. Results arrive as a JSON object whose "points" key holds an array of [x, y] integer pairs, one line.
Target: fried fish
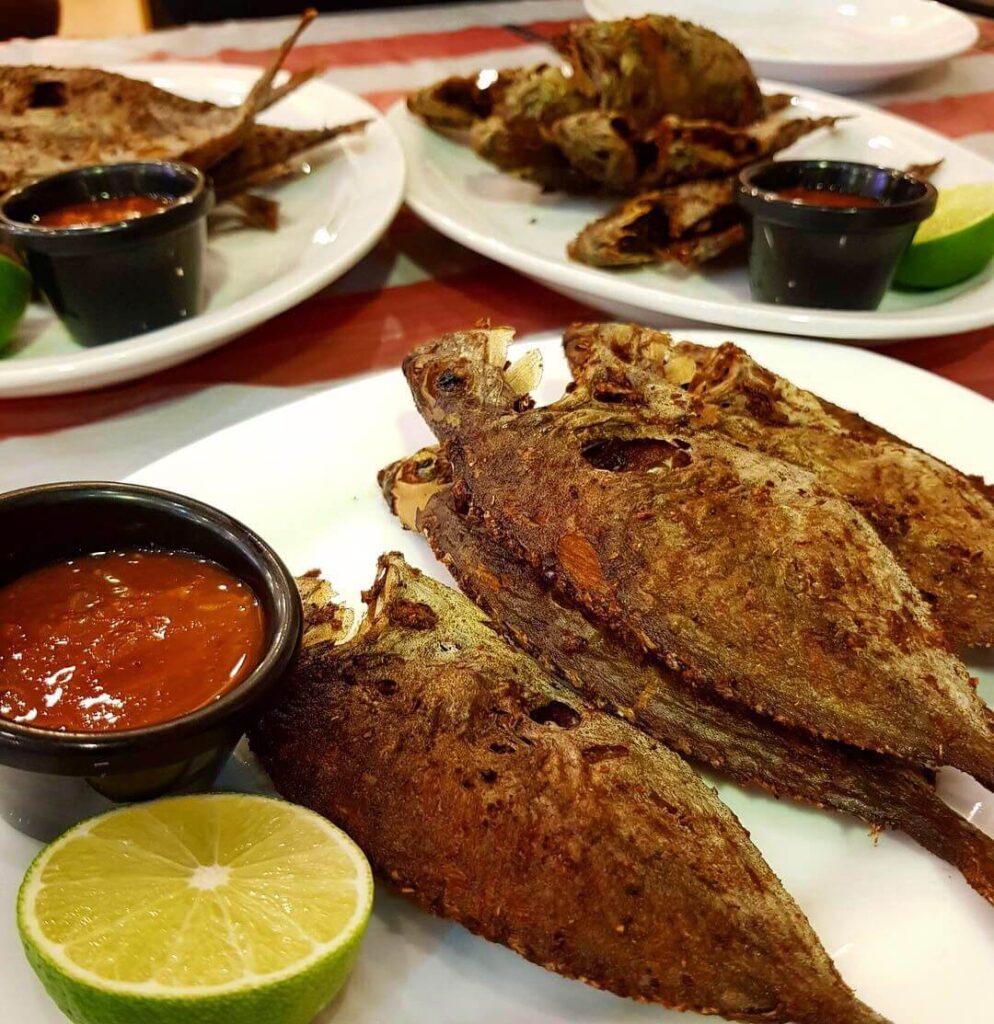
{"points": [[487, 793], [609, 148], [55, 119], [656, 65], [746, 747], [687, 223], [938, 522], [741, 572]]}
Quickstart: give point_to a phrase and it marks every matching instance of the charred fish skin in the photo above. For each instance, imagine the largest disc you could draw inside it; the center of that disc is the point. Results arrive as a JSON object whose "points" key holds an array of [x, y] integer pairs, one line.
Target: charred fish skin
{"points": [[740, 571], [751, 750], [492, 796]]}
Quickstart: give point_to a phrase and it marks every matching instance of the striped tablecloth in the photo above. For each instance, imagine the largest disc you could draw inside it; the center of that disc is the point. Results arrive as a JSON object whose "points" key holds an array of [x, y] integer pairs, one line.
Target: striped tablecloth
{"points": [[415, 282]]}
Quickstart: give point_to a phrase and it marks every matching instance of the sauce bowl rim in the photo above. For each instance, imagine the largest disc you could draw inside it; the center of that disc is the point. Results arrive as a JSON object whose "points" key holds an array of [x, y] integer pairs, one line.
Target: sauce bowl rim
{"points": [[199, 189]]}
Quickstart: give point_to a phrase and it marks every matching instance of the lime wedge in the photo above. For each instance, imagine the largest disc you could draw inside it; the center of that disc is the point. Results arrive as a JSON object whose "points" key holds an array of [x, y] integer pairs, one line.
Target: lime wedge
{"points": [[955, 243], [219, 909], [15, 290]]}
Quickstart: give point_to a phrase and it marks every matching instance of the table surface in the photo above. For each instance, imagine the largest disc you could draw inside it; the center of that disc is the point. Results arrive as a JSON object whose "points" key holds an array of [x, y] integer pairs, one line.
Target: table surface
{"points": [[415, 283]]}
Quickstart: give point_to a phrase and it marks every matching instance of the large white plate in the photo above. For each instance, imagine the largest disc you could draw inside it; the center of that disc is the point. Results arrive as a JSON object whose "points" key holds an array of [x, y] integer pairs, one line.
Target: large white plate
{"points": [[905, 930], [841, 45], [514, 223], [330, 219]]}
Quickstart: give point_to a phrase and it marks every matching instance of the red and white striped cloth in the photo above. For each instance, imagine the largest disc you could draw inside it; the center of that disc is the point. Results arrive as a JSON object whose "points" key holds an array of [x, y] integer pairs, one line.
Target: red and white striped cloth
{"points": [[415, 283]]}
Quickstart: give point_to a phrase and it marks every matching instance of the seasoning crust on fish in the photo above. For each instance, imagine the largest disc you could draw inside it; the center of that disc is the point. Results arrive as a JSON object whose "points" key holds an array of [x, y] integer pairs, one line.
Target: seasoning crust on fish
{"points": [[937, 521]]}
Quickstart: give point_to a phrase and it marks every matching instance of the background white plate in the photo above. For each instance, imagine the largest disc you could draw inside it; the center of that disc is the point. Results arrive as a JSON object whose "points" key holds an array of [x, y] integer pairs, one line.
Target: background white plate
{"points": [[516, 224], [330, 219], [904, 928], [840, 45]]}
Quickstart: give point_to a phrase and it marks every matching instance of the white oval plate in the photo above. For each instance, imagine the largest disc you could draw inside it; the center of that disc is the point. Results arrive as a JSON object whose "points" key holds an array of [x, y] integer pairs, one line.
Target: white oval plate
{"points": [[904, 928], [330, 219], [840, 45], [516, 224]]}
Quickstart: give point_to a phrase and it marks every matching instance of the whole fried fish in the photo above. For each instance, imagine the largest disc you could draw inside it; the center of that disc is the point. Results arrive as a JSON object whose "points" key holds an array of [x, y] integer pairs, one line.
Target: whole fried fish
{"points": [[750, 749], [741, 572], [489, 794], [938, 522], [682, 223], [56, 119], [658, 65]]}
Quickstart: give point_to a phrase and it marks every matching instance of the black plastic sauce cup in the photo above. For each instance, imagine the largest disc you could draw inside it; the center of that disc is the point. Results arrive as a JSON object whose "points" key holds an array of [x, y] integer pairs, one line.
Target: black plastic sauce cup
{"points": [[802, 254], [50, 779], [114, 281]]}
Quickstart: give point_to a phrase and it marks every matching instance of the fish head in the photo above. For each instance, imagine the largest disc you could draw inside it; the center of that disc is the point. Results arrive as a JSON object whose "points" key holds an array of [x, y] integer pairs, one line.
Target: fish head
{"points": [[464, 378]]}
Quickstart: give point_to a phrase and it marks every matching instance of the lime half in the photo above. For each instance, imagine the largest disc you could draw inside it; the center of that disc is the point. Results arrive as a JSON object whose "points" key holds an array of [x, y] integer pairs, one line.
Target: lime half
{"points": [[219, 909], [955, 243], [15, 290]]}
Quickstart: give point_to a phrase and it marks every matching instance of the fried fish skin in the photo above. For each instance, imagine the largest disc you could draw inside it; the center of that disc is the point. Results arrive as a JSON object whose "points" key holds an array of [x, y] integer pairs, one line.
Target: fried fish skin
{"points": [[740, 571], [658, 227], [611, 149], [751, 750], [938, 522], [490, 795], [457, 102], [658, 65]]}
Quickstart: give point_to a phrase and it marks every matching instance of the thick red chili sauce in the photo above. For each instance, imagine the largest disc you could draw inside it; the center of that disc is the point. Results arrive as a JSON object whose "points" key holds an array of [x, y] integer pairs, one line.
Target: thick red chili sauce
{"points": [[825, 197], [123, 639], [95, 212]]}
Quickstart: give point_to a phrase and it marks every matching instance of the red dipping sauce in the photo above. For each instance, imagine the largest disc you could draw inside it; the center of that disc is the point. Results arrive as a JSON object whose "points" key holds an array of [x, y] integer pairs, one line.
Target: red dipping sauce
{"points": [[102, 211], [124, 639], [826, 197]]}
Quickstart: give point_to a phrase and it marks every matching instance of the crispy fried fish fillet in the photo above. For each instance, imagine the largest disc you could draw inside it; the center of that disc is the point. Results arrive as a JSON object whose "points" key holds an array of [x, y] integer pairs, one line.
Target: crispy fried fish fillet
{"points": [[55, 119], [489, 794], [741, 572], [938, 522], [750, 749], [662, 226], [658, 65]]}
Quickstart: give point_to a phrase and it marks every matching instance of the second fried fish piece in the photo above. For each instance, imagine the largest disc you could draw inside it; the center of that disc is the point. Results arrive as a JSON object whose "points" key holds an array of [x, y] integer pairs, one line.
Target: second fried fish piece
{"points": [[490, 795], [739, 571], [938, 522], [689, 224], [706, 729]]}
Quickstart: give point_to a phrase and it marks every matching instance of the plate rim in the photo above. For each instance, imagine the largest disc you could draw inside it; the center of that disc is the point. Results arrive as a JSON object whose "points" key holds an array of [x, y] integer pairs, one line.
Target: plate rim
{"points": [[813, 323], [127, 359], [865, 69]]}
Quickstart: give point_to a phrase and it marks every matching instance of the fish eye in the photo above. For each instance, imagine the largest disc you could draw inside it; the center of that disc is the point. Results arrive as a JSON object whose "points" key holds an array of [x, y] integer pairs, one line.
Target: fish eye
{"points": [[449, 380]]}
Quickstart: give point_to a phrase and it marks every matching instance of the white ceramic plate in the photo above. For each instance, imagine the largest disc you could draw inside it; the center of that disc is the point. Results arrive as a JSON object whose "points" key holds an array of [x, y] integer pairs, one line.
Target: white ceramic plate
{"points": [[840, 45], [516, 224], [915, 941], [330, 219]]}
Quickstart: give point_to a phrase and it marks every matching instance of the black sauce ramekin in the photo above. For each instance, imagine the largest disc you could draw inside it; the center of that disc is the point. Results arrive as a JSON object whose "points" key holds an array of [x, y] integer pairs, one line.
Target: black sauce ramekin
{"points": [[802, 254], [49, 779], [114, 281]]}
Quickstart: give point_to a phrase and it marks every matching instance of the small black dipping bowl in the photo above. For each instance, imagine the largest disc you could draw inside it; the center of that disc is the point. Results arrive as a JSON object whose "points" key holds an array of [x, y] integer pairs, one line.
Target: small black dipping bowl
{"points": [[835, 257], [50, 780], [114, 281]]}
